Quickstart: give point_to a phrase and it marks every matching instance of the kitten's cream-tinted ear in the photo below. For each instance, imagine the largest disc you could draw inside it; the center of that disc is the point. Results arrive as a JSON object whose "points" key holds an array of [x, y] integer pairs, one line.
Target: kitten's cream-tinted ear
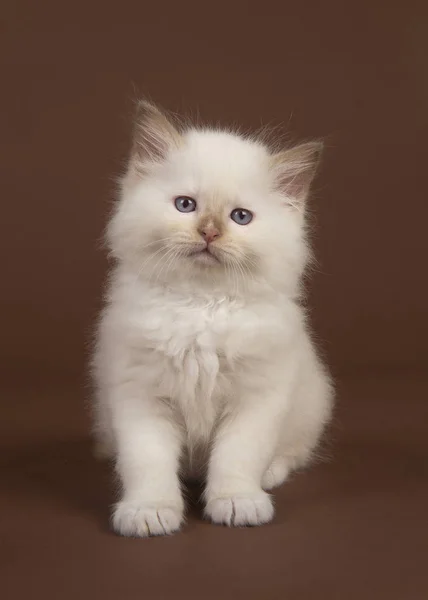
{"points": [[294, 170], [154, 134]]}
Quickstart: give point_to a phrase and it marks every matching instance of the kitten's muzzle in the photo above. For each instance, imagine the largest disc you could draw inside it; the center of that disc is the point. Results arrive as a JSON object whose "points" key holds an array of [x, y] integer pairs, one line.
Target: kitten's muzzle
{"points": [[209, 233]]}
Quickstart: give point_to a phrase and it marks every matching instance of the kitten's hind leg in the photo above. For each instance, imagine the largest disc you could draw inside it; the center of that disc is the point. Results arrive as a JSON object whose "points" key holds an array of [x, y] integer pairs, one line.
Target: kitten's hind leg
{"points": [[281, 467], [276, 473]]}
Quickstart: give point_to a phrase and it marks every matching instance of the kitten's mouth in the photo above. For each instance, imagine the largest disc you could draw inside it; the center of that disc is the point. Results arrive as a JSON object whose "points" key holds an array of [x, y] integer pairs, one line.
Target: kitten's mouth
{"points": [[204, 255]]}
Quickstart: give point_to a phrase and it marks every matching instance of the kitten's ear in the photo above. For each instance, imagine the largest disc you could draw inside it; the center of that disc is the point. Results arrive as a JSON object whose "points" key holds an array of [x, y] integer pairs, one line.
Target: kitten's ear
{"points": [[294, 170], [154, 134]]}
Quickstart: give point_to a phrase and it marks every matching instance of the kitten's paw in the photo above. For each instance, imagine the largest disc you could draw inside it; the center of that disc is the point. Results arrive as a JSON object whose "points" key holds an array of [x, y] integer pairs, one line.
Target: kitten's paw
{"points": [[144, 520], [241, 510], [276, 474]]}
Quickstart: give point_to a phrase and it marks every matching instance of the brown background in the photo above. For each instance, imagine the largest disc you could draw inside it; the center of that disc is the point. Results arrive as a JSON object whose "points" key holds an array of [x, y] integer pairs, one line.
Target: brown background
{"points": [[355, 73]]}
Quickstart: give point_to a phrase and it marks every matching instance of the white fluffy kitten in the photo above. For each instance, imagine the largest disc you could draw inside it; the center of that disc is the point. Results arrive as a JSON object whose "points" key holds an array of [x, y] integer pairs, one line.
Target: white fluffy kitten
{"points": [[204, 365]]}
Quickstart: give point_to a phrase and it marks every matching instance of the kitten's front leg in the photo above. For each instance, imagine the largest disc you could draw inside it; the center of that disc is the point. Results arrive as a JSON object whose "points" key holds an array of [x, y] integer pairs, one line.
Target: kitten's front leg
{"points": [[148, 456], [243, 449]]}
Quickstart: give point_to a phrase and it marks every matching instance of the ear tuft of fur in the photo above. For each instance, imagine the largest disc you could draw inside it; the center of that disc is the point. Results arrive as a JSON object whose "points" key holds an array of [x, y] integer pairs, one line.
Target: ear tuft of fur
{"points": [[155, 134], [295, 168]]}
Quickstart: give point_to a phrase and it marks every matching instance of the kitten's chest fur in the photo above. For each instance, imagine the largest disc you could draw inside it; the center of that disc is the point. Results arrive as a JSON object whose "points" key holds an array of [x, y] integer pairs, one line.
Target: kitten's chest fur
{"points": [[192, 350]]}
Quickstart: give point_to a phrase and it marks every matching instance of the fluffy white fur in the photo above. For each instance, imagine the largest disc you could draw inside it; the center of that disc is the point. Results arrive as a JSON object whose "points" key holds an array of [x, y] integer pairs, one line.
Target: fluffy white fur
{"points": [[204, 366]]}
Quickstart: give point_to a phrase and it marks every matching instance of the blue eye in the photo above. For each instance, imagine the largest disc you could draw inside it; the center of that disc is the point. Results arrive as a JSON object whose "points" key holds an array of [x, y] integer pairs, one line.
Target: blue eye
{"points": [[241, 216], [185, 204]]}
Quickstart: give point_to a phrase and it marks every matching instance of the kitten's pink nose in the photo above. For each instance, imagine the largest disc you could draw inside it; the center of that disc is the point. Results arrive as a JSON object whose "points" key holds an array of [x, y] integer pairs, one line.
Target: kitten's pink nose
{"points": [[209, 234]]}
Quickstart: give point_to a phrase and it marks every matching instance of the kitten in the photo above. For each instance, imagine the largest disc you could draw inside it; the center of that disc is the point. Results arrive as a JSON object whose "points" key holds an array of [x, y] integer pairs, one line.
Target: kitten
{"points": [[204, 364]]}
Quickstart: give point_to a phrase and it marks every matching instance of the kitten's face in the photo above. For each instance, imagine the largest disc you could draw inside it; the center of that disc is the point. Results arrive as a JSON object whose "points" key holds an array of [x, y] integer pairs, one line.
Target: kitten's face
{"points": [[209, 206]]}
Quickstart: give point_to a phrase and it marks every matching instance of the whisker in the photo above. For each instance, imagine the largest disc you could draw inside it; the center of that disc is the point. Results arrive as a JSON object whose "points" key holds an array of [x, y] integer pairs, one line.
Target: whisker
{"points": [[167, 239], [170, 257], [147, 261], [168, 252]]}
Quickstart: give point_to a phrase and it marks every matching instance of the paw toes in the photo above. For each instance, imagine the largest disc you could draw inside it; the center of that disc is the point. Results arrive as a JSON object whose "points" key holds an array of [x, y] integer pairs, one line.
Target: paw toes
{"points": [[241, 511], [143, 521]]}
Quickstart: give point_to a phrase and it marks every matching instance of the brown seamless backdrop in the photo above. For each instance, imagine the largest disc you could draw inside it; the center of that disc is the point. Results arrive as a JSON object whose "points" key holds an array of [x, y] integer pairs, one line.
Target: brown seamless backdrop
{"points": [[355, 73]]}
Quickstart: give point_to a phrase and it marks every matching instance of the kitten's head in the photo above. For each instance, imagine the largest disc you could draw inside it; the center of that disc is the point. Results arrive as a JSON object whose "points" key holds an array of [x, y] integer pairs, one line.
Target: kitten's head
{"points": [[212, 205]]}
